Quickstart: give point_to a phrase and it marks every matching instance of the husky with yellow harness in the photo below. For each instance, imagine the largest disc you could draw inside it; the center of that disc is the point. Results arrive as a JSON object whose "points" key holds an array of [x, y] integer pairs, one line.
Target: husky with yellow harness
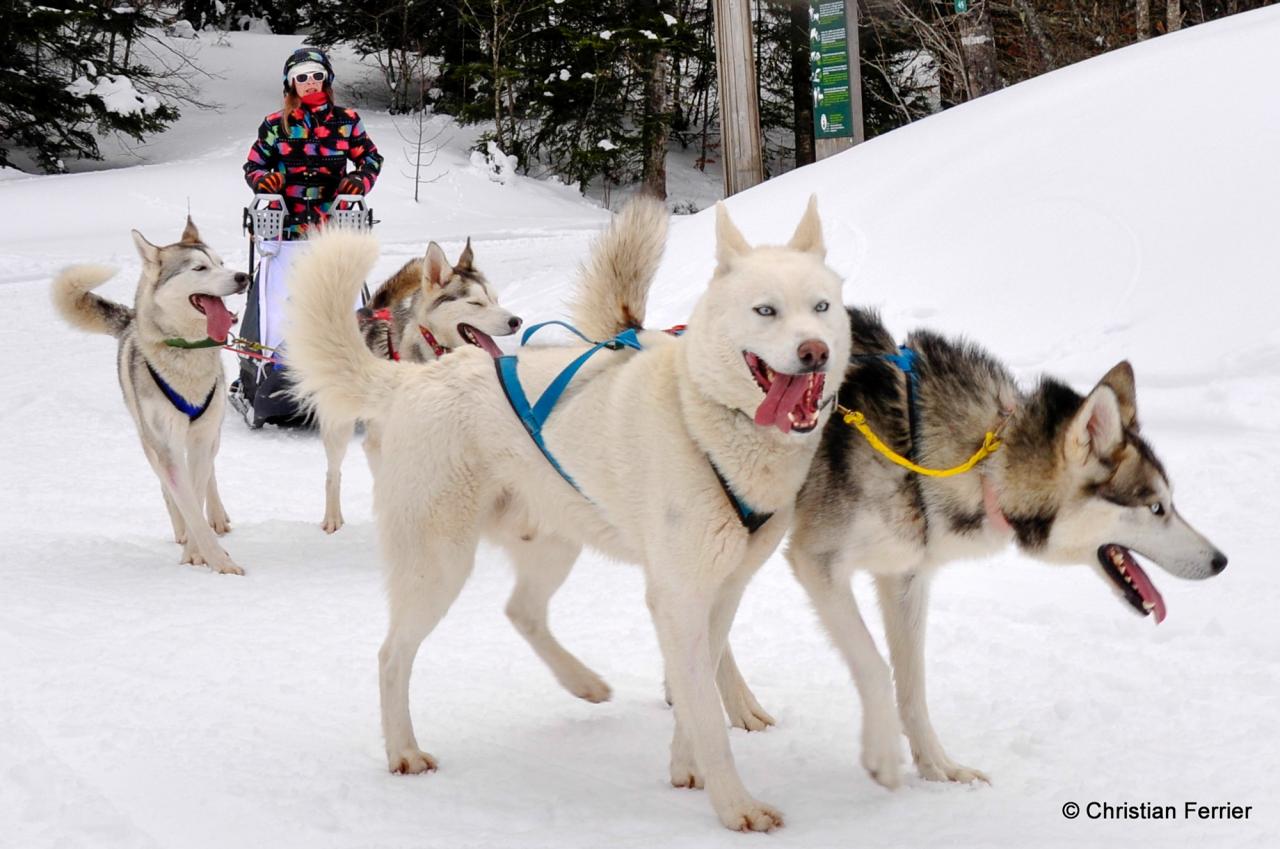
{"points": [[936, 455]]}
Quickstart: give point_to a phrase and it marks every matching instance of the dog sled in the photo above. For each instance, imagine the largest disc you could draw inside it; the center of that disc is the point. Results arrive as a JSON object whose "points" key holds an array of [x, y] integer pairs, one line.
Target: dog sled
{"points": [[260, 394]]}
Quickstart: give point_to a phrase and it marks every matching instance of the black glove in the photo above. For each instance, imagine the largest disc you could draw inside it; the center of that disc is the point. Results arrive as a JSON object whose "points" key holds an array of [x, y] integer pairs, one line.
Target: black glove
{"points": [[270, 184]]}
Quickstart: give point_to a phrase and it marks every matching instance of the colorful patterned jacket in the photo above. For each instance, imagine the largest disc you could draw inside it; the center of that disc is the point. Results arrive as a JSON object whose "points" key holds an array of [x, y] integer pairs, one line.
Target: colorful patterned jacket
{"points": [[312, 155]]}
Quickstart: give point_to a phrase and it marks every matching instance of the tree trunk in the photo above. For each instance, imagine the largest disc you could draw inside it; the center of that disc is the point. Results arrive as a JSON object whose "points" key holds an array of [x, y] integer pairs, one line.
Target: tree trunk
{"points": [[1144, 19], [513, 134], [497, 88], [739, 111], [801, 92], [656, 127], [1031, 19], [978, 47], [1173, 16]]}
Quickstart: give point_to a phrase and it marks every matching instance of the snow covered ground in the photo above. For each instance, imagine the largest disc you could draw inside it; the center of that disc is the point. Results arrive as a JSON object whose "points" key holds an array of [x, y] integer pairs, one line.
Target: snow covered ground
{"points": [[1123, 208]]}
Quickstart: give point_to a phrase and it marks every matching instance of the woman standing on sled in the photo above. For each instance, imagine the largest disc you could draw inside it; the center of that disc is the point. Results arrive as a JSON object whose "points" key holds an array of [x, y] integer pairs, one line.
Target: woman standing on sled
{"points": [[301, 153]]}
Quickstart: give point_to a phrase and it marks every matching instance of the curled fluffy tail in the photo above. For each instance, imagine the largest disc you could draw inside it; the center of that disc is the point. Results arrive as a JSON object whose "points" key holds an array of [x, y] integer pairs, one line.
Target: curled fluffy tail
{"points": [[333, 371], [614, 282], [74, 300]]}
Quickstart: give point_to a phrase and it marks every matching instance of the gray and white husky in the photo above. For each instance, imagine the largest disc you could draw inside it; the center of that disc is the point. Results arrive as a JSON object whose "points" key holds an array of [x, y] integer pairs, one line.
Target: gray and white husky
{"points": [[664, 445], [1074, 482], [175, 394], [420, 313]]}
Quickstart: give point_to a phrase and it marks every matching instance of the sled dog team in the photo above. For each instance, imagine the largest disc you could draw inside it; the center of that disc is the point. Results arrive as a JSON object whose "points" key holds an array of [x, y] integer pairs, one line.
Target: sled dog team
{"points": [[690, 455]]}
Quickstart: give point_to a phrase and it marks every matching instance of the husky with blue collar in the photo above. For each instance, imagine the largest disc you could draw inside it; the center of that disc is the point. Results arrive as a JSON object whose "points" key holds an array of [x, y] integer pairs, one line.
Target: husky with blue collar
{"points": [[658, 451], [171, 373]]}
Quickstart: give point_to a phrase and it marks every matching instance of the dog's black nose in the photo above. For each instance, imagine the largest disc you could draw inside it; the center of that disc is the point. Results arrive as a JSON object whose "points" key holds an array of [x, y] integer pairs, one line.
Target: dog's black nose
{"points": [[813, 353], [514, 322], [242, 279], [1219, 562]]}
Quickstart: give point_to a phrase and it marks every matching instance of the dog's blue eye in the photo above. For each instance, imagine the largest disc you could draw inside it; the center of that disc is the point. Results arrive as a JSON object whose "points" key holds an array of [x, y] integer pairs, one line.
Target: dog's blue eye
{"points": [[1157, 509], [822, 306], [764, 310]]}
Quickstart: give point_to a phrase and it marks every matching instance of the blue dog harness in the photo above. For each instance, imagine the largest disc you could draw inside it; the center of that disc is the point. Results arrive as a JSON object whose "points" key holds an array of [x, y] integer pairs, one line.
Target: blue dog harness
{"points": [[750, 519], [184, 406], [905, 360], [534, 416]]}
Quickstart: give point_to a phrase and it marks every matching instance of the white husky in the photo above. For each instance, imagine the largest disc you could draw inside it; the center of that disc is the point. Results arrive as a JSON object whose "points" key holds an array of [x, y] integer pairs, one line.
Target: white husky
{"points": [[673, 452]]}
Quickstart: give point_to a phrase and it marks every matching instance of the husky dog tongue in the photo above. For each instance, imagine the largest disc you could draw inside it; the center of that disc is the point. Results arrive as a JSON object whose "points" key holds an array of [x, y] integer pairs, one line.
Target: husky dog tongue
{"points": [[790, 400], [482, 340], [784, 394], [1119, 564], [217, 318]]}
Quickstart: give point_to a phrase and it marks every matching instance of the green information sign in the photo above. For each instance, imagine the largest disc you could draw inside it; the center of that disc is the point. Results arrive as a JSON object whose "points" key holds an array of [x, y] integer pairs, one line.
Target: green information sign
{"points": [[829, 69], [962, 6]]}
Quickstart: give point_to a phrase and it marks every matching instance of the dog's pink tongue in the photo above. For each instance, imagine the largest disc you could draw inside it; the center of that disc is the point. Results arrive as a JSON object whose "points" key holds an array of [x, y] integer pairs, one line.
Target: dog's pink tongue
{"points": [[784, 394], [486, 343], [1147, 590], [217, 318], [768, 409]]}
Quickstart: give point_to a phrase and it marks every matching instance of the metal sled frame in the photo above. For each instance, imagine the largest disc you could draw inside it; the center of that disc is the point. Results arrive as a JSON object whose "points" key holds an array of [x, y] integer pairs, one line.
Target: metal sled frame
{"points": [[264, 219]]}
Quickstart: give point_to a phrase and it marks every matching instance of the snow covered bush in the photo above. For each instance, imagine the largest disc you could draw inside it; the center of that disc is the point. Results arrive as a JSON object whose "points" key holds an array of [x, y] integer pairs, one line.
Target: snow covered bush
{"points": [[500, 166]]}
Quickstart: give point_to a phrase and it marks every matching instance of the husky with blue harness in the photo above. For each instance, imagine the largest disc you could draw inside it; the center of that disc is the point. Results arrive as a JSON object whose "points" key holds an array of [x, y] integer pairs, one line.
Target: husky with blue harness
{"points": [[169, 362], [681, 454]]}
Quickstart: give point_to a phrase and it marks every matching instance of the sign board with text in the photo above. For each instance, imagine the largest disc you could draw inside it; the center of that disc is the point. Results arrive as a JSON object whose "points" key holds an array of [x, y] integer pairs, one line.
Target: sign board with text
{"points": [[829, 69]]}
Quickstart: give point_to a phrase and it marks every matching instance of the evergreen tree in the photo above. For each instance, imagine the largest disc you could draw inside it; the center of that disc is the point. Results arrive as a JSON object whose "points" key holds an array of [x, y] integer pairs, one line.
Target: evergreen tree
{"points": [[200, 13], [69, 70], [400, 35], [603, 106]]}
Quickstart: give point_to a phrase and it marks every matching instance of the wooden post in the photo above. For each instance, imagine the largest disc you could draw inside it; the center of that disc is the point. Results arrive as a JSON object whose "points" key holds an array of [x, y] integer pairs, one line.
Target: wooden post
{"points": [[741, 143]]}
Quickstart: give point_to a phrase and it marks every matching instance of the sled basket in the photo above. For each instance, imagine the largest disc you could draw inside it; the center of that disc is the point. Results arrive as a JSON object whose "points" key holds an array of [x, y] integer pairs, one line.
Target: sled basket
{"points": [[350, 212], [264, 218]]}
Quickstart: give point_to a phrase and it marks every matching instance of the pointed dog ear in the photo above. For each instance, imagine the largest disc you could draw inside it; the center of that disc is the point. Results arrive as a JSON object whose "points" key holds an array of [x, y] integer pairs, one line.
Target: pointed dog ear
{"points": [[436, 269], [190, 235], [464, 261], [1097, 431], [149, 252], [1120, 379], [808, 236], [729, 241]]}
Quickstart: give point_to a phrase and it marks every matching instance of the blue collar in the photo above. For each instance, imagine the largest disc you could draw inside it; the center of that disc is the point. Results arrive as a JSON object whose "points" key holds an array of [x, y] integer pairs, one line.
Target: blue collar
{"points": [[182, 404]]}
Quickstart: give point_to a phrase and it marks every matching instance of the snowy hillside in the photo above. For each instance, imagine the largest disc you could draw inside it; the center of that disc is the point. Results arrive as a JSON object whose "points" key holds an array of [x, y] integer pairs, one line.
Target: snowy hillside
{"points": [[1122, 208]]}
